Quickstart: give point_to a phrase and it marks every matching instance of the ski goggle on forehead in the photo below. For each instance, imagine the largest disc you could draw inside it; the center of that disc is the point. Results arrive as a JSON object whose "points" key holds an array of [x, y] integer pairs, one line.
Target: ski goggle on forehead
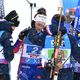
{"points": [[40, 19]]}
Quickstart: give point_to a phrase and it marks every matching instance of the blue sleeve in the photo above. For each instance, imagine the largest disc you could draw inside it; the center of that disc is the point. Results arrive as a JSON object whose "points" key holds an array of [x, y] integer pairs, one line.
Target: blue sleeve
{"points": [[75, 50], [4, 25], [7, 43]]}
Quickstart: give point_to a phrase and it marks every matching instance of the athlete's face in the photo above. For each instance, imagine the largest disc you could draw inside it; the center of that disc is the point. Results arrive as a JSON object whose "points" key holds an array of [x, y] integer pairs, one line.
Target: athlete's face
{"points": [[39, 26]]}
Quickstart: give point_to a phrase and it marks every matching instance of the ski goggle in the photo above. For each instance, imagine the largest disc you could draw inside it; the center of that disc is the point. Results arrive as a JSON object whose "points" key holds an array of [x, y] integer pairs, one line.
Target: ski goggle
{"points": [[40, 18]]}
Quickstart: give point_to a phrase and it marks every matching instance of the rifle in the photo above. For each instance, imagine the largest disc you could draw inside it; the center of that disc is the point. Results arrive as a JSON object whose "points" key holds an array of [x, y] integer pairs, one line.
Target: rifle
{"points": [[57, 41]]}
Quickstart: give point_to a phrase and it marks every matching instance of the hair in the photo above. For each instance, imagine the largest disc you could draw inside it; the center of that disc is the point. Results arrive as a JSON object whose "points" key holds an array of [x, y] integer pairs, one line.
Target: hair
{"points": [[55, 20], [57, 17], [41, 11]]}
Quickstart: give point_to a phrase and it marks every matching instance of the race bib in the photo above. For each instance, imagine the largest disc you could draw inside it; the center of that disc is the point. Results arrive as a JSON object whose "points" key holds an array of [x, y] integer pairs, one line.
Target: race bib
{"points": [[33, 49]]}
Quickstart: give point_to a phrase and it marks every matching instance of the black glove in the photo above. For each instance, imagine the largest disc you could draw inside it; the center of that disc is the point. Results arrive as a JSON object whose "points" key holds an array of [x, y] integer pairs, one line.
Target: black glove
{"points": [[23, 33], [21, 36]]}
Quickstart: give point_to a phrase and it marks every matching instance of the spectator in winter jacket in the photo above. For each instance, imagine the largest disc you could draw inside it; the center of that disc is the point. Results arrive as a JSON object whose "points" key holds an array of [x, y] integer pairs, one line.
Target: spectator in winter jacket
{"points": [[7, 26]]}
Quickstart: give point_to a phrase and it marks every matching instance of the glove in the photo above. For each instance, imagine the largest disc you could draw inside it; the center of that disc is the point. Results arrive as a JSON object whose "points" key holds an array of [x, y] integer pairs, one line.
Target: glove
{"points": [[21, 36], [23, 33]]}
